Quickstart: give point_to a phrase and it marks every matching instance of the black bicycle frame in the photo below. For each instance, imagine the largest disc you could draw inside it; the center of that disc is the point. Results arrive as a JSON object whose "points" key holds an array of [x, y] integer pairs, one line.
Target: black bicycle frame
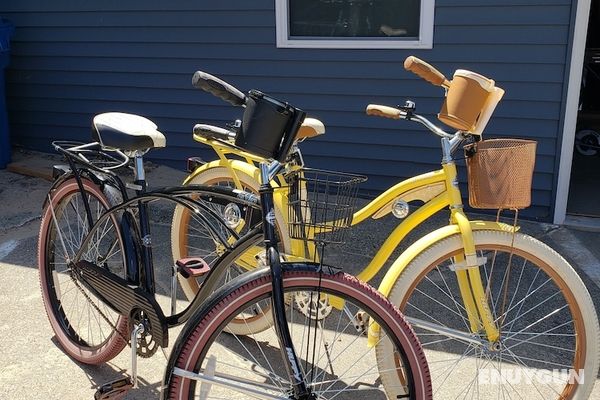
{"points": [[201, 211], [265, 230]]}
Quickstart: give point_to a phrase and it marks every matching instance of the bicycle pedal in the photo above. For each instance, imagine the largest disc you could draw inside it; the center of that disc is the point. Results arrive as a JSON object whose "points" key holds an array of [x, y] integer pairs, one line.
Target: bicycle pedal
{"points": [[192, 267], [114, 390]]}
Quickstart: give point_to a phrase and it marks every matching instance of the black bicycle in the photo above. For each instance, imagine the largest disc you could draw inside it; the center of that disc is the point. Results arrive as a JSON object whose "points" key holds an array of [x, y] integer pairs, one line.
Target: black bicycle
{"points": [[98, 279]]}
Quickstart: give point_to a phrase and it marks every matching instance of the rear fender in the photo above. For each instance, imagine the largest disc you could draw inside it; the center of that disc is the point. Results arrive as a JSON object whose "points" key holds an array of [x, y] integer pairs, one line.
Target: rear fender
{"points": [[230, 165], [62, 173], [131, 241]]}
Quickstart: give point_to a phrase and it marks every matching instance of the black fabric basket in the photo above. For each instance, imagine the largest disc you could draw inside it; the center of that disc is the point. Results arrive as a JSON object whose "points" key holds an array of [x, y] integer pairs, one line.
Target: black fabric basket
{"points": [[269, 126]]}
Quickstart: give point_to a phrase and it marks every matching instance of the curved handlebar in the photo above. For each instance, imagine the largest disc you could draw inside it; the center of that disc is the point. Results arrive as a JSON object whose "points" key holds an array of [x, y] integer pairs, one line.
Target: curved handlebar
{"points": [[396, 113], [385, 111], [426, 71], [219, 88]]}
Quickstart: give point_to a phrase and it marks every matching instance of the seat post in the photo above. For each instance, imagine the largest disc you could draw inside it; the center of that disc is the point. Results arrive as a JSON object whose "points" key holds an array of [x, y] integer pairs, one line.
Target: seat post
{"points": [[146, 269], [140, 174]]}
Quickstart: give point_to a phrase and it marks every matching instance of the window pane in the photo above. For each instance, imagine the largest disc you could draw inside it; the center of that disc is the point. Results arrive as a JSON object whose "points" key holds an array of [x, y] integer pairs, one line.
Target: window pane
{"points": [[354, 18]]}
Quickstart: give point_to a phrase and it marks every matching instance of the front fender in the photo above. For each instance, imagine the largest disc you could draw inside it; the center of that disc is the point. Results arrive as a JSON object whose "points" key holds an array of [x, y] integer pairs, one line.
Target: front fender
{"points": [[428, 240], [417, 248]]}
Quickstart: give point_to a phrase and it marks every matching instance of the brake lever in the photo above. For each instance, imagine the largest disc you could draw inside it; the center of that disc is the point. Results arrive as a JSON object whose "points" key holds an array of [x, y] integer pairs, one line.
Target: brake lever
{"points": [[235, 125]]}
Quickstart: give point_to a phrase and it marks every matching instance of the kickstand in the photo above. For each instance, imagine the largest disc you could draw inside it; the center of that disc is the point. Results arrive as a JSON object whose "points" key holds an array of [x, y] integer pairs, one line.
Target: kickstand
{"points": [[117, 389], [134, 333]]}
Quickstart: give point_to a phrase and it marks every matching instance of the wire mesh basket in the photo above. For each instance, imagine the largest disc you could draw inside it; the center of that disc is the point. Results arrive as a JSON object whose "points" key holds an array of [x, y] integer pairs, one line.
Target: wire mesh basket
{"points": [[321, 204], [500, 172]]}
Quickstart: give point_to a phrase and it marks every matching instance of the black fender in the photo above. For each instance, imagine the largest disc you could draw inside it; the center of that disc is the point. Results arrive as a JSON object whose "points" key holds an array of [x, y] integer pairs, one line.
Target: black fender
{"points": [[62, 173], [216, 297], [130, 235], [128, 227]]}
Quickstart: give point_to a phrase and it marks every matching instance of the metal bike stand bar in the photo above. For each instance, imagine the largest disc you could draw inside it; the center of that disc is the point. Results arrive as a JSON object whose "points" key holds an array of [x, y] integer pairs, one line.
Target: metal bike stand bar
{"points": [[139, 328]]}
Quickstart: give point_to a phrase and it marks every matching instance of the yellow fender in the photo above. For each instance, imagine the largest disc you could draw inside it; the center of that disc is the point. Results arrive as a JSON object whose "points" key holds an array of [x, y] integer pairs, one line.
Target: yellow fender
{"points": [[231, 165], [244, 167], [297, 247], [417, 248]]}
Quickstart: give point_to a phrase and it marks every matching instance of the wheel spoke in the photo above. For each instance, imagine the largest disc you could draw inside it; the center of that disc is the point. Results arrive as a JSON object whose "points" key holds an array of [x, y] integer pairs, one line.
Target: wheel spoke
{"points": [[541, 316]]}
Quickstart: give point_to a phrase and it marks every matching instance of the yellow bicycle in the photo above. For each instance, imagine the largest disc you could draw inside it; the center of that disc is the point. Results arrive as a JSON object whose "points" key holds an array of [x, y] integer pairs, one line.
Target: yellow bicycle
{"points": [[499, 313]]}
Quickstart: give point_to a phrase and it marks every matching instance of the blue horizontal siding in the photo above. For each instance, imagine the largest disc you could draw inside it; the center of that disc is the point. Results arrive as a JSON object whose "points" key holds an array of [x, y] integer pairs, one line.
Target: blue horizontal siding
{"points": [[134, 6], [70, 61], [502, 14], [444, 55], [131, 58], [541, 92]]}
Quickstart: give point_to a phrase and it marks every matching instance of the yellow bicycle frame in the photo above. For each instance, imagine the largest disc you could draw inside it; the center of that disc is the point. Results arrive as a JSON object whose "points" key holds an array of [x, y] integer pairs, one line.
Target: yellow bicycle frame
{"points": [[437, 189]]}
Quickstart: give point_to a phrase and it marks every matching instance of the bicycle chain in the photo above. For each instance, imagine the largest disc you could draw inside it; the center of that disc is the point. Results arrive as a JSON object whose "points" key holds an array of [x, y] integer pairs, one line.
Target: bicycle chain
{"points": [[98, 309]]}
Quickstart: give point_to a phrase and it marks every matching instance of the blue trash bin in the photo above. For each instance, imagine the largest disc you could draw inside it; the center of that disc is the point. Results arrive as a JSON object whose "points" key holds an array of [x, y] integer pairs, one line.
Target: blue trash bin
{"points": [[6, 31]]}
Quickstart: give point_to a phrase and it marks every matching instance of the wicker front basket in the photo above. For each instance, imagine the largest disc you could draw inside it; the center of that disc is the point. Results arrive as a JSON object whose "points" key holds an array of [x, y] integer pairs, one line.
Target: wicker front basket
{"points": [[500, 173]]}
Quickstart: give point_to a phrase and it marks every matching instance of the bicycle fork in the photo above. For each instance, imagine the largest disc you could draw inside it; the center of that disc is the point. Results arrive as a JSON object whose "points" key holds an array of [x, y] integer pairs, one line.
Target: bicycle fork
{"points": [[292, 366], [466, 265], [470, 283]]}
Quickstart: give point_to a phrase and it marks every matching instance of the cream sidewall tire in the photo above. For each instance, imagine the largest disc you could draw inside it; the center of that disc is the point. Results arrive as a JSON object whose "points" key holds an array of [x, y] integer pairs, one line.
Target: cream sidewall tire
{"points": [[527, 245], [190, 286]]}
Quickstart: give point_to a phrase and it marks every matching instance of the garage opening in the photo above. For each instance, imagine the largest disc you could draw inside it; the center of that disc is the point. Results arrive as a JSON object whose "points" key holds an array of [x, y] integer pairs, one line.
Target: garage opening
{"points": [[584, 191]]}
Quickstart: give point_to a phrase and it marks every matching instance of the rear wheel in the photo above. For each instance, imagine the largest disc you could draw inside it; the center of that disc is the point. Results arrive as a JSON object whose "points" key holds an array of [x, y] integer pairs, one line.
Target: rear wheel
{"points": [[332, 345], [587, 142], [190, 237], [548, 348], [87, 329]]}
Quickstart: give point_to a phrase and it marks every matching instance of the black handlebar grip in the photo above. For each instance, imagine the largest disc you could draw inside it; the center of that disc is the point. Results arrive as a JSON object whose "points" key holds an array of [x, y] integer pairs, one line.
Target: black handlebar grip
{"points": [[219, 88]]}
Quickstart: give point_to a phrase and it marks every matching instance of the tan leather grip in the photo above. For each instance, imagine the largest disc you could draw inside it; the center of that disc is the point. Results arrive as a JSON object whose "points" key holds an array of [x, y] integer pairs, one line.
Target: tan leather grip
{"points": [[425, 71], [383, 111]]}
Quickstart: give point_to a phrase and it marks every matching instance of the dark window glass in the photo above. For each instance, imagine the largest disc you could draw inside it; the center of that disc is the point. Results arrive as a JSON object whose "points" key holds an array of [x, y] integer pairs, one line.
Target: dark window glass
{"points": [[354, 18]]}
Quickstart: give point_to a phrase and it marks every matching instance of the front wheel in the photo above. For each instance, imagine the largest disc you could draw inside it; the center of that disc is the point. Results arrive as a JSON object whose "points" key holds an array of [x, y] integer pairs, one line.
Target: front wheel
{"points": [[335, 357], [548, 348]]}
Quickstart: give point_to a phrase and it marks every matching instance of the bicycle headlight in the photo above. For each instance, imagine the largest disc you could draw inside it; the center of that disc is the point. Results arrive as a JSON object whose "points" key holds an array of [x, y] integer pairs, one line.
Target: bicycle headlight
{"points": [[232, 215], [400, 208]]}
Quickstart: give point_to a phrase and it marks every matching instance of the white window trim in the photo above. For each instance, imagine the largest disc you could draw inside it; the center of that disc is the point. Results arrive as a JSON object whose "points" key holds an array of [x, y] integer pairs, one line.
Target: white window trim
{"points": [[425, 40]]}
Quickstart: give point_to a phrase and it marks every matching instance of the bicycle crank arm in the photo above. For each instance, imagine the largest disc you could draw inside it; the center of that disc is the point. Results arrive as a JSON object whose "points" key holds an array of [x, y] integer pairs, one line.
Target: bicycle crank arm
{"points": [[231, 383], [445, 331]]}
